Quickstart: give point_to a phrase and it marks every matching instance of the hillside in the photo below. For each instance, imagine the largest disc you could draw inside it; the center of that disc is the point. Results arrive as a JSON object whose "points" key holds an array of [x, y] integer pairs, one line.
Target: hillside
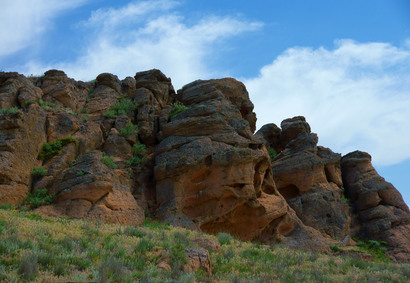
{"points": [[122, 151], [59, 249]]}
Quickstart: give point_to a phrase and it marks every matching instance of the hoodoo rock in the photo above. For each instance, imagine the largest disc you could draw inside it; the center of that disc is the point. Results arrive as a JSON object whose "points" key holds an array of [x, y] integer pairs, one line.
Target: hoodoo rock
{"points": [[115, 150]]}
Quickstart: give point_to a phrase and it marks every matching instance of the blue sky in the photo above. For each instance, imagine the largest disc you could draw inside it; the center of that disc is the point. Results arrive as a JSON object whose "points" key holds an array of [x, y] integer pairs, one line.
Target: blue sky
{"points": [[344, 65]]}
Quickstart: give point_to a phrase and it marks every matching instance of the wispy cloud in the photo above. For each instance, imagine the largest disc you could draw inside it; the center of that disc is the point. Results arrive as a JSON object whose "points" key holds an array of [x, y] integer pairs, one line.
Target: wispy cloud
{"points": [[355, 96], [23, 21], [141, 36]]}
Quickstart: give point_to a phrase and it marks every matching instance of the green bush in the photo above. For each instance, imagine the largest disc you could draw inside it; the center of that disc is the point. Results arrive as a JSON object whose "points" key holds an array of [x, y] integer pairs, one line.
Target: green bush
{"points": [[51, 149], [129, 130], [376, 248], [139, 149], [39, 198], [6, 206], [11, 110], [178, 260], [123, 106], [45, 105], [224, 238], [109, 162], [39, 171], [143, 246], [272, 153], [177, 107]]}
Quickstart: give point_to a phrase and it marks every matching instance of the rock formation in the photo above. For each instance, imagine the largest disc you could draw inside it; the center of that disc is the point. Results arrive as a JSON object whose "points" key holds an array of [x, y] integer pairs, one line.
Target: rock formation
{"points": [[379, 208], [119, 150]]}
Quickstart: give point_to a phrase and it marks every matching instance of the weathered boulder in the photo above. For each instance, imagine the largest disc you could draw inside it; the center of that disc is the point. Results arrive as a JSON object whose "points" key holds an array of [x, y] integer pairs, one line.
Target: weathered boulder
{"points": [[21, 136], [382, 213], [156, 82], [91, 190], [309, 178], [197, 258], [63, 91], [270, 134]]}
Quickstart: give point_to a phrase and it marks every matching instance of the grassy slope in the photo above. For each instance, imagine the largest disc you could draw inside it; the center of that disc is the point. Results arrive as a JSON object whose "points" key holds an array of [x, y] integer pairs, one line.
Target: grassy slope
{"points": [[46, 249]]}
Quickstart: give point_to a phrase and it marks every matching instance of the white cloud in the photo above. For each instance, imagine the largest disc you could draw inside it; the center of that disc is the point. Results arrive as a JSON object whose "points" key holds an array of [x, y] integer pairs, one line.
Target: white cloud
{"points": [[355, 96], [23, 21], [149, 34]]}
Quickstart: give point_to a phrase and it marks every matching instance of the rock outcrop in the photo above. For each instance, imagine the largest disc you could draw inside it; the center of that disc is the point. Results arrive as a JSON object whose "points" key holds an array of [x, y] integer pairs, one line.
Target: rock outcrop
{"points": [[119, 150], [309, 178], [380, 209]]}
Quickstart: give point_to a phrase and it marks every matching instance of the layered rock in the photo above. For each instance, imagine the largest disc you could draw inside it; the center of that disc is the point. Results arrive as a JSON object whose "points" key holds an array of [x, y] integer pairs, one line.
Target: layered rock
{"points": [[64, 92], [381, 211], [212, 174], [309, 177], [21, 136]]}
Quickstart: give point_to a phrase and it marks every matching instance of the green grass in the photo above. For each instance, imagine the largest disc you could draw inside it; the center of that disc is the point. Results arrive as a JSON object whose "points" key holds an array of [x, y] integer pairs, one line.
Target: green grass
{"points": [[39, 171], [11, 110], [177, 107], [49, 150], [123, 106], [129, 130], [38, 198], [109, 161], [376, 248], [34, 248]]}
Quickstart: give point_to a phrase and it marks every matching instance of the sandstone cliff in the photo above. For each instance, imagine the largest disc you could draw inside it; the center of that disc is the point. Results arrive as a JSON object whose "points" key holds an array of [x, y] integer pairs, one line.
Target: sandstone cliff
{"points": [[120, 150]]}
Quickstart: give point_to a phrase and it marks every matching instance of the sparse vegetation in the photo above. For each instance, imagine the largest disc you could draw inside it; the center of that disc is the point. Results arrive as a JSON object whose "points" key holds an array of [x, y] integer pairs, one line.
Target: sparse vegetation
{"points": [[33, 248], [376, 248], [39, 171], [272, 153], [177, 107], [345, 199], [224, 238], [90, 94], [123, 106], [43, 104], [38, 198], [137, 158], [11, 110], [51, 149], [109, 161], [129, 130]]}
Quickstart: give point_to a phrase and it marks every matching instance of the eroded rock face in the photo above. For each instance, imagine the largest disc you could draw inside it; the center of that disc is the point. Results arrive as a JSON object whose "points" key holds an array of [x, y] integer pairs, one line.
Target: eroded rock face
{"points": [[212, 174], [91, 190], [21, 137], [309, 178], [202, 168], [382, 213], [63, 91]]}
